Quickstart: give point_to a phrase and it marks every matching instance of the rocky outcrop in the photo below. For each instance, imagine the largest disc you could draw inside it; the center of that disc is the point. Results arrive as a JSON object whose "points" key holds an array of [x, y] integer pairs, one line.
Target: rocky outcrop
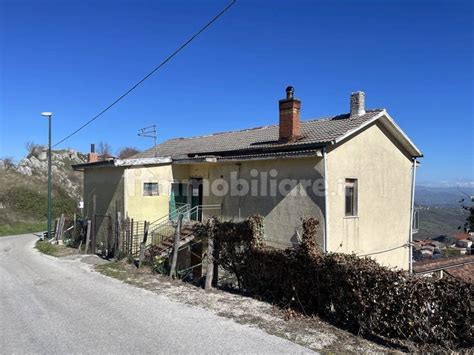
{"points": [[36, 164]]}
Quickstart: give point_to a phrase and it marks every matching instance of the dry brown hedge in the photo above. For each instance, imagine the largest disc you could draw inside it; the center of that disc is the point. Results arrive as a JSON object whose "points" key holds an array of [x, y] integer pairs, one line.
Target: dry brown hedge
{"points": [[356, 293]]}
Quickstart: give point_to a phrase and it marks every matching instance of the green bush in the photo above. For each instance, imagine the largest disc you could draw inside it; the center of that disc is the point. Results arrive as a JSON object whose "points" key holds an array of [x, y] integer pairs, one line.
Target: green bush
{"points": [[34, 204], [47, 248], [21, 228]]}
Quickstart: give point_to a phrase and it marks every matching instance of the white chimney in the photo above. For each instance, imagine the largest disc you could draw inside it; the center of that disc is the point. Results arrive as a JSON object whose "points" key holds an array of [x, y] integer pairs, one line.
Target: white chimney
{"points": [[357, 104]]}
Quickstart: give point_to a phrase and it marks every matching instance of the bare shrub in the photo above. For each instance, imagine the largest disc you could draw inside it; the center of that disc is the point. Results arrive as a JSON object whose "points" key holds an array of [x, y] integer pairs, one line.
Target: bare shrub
{"points": [[31, 147], [127, 152], [104, 149], [356, 293], [8, 162]]}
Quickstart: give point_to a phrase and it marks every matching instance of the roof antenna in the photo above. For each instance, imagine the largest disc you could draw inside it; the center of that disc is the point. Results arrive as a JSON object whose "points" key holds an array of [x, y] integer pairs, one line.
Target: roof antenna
{"points": [[149, 132]]}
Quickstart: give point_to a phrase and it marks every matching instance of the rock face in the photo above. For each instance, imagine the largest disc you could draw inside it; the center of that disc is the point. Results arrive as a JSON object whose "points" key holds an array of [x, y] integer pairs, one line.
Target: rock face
{"points": [[36, 163]]}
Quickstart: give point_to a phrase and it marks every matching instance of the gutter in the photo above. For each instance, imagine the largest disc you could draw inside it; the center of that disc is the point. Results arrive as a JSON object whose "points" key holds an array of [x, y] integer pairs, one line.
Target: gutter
{"points": [[290, 147], [237, 158]]}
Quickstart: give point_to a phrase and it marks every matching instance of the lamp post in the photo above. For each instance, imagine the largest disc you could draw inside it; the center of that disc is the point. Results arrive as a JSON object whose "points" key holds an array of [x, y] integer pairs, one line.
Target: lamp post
{"points": [[49, 114]]}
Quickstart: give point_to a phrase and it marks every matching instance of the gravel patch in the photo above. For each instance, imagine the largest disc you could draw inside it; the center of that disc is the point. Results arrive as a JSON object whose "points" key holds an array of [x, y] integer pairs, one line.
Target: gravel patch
{"points": [[310, 332]]}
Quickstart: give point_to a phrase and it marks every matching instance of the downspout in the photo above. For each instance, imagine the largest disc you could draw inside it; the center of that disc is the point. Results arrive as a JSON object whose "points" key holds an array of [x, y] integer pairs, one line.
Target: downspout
{"points": [[125, 193], [326, 202], [238, 179], [412, 210]]}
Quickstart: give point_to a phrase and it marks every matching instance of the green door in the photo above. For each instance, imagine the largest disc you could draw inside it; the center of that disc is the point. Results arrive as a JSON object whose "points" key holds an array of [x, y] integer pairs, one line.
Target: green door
{"points": [[179, 196]]}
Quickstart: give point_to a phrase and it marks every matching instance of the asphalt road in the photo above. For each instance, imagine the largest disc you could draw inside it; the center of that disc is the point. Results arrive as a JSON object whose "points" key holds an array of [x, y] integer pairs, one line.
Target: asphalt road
{"points": [[51, 305]]}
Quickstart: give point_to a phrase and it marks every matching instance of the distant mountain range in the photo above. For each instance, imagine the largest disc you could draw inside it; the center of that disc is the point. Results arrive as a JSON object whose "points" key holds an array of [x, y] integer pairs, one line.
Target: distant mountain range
{"points": [[446, 197]]}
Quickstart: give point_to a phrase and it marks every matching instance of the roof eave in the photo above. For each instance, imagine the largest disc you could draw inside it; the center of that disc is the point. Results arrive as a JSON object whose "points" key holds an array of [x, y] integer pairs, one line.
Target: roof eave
{"points": [[266, 150], [97, 164], [245, 157], [143, 161], [118, 163], [394, 129], [412, 148]]}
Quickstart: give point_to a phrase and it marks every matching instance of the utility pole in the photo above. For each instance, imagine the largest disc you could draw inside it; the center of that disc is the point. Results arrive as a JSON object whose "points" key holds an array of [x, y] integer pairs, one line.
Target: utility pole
{"points": [[149, 132], [49, 114]]}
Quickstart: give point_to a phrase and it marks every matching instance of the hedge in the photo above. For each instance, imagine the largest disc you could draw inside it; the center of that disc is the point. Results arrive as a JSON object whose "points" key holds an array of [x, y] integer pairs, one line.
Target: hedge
{"points": [[355, 293]]}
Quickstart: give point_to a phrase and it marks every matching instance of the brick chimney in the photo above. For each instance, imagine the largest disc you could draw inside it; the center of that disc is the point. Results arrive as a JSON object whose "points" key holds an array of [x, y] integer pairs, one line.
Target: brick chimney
{"points": [[92, 157], [290, 125], [357, 104]]}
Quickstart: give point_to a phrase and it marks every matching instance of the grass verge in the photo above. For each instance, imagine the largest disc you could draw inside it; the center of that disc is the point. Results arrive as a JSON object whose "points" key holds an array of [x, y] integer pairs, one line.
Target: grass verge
{"points": [[114, 269], [21, 228], [54, 249], [47, 248]]}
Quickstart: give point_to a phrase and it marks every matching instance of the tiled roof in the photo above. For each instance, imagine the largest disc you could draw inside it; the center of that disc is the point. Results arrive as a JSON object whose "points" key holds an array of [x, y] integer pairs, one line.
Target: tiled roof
{"points": [[427, 266], [461, 235], [314, 132], [465, 273]]}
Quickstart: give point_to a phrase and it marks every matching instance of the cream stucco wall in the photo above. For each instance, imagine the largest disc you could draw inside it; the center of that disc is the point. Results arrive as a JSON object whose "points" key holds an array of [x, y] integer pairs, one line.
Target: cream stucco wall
{"points": [[384, 196], [282, 202], [295, 192], [147, 208]]}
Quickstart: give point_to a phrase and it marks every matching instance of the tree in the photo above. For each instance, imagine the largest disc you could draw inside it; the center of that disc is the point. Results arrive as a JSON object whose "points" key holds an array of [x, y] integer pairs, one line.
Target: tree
{"points": [[105, 149], [470, 219], [127, 152], [8, 163], [468, 205], [31, 147]]}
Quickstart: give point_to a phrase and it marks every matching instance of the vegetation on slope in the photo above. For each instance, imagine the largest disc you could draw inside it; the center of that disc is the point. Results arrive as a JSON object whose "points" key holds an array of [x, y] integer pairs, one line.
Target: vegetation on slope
{"points": [[47, 248], [440, 221], [23, 203]]}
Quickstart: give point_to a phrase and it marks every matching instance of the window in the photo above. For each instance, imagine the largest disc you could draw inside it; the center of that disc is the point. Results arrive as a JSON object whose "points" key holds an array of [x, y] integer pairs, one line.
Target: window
{"points": [[150, 189], [351, 197]]}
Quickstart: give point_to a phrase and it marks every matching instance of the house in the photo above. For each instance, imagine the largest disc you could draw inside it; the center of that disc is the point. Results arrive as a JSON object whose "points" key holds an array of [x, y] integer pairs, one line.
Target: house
{"points": [[354, 172], [428, 249]]}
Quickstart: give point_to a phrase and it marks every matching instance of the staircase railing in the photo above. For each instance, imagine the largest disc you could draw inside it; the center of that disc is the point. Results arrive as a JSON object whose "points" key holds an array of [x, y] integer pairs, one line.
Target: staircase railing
{"points": [[165, 227], [196, 213], [173, 215]]}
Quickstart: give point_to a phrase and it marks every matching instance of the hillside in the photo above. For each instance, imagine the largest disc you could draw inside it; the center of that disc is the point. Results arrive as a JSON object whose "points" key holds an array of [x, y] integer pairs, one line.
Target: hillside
{"points": [[23, 190], [435, 221], [440, 210]]}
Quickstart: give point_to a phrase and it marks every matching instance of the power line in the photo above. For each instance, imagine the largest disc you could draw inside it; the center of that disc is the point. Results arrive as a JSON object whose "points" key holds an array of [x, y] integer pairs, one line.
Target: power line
{"points": [[180, 48], [385, 251]]}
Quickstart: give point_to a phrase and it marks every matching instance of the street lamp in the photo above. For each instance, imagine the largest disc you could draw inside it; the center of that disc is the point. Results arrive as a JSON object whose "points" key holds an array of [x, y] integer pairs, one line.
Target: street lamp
{"points": [[49, 114]]}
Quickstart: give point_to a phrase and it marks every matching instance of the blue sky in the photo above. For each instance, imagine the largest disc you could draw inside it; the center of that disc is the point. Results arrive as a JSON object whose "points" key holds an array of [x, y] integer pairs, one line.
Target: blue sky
{"points": [[414, 58]]}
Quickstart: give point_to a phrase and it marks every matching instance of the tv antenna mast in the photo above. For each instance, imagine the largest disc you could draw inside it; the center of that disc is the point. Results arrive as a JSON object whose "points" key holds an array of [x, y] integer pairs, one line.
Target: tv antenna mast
{"points": [[149, 132]]}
